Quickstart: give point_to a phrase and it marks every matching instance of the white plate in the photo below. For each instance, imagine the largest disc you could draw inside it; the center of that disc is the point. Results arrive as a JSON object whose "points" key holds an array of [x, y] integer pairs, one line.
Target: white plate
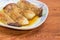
{"points": [[38, 22]]}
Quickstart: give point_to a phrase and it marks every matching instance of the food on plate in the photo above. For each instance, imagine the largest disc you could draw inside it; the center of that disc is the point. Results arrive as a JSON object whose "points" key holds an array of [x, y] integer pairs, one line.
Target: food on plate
{"points": [[5, 18], [13, 11], [29, 14], [21, 14], [34, 10]]}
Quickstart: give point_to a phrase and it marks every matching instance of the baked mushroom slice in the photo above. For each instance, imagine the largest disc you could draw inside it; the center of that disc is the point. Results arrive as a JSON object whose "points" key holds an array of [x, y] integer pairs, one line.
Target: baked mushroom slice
{"points": [[30, 9], [5, 18], [29, 14], [37, 11], [14, 12], [25, 6]]}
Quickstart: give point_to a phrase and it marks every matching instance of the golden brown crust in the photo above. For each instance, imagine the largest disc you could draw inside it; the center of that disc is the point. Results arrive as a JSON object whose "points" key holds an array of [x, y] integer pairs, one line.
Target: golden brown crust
{"points": [[22, 12], [14, 12]]}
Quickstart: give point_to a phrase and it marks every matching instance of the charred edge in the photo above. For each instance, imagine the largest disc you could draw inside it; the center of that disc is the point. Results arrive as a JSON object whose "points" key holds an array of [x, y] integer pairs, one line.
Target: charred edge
{"points": [[14, 24]]}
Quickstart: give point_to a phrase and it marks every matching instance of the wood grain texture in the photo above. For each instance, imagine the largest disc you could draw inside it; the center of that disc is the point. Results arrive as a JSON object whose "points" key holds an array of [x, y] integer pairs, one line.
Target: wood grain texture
{"points": [[50, 30]]}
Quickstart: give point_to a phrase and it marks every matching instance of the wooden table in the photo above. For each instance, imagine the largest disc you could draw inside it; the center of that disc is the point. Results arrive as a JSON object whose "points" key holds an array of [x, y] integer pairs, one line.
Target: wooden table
{"points": [[50, 30]]}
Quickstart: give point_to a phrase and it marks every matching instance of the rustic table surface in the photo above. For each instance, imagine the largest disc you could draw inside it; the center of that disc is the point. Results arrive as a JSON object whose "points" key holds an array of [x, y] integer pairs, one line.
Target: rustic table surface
{"points": [[50, 30]]}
